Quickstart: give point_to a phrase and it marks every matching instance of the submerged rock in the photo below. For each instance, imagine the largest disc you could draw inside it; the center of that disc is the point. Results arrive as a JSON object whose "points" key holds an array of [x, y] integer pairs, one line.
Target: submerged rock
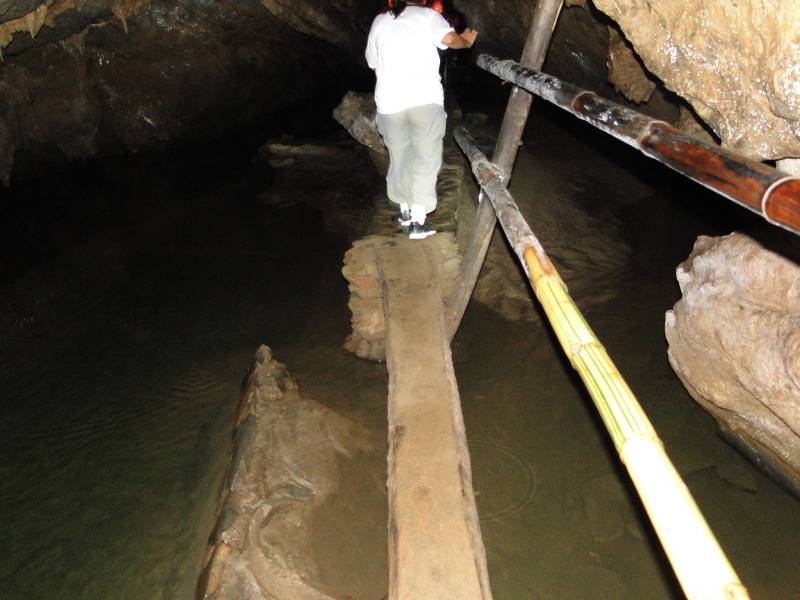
{"points": [[734, 340], [285, 466]]}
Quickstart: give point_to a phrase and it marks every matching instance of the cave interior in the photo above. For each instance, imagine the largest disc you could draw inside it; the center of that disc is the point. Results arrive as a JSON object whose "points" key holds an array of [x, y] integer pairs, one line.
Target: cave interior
{"points": [[151, 244]]}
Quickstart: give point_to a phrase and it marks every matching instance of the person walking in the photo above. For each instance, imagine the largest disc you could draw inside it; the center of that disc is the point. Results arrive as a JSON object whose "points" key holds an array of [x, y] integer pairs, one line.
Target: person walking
{"points": [[402, 48]]}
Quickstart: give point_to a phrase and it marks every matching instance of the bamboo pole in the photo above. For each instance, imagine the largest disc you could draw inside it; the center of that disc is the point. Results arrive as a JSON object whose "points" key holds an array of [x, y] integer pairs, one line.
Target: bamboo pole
{"points": [[545, 16], [699, 563], [766, 191]]}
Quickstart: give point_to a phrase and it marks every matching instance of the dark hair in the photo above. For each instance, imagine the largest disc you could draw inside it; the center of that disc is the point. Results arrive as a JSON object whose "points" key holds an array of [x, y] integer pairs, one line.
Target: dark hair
{"points": [[397, 7]]}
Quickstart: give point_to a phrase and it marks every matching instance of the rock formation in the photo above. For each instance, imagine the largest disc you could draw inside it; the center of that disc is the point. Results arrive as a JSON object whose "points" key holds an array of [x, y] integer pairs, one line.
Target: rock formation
{"points": [[82, 79], [132, 74], [342, 23], [284, 467], [738, 64], [357, 113], [579, 49], [624, 71], [366, 289], [734, 340]]}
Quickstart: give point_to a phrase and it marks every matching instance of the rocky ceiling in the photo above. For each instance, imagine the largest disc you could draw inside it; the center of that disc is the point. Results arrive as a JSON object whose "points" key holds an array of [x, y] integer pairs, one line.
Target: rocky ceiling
{"points": [[83, 77]]}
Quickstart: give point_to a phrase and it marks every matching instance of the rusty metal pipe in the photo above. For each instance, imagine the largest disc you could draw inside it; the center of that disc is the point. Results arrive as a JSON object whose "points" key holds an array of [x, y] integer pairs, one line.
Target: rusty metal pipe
{"points": [[766, 191]]}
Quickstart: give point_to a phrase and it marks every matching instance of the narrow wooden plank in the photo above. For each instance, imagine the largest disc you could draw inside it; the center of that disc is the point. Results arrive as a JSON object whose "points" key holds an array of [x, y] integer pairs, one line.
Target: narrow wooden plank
{"points": [[435, 547]]}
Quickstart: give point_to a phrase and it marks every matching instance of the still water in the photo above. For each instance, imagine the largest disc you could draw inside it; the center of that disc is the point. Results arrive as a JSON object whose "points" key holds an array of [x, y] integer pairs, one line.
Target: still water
{"points": [[135, 292], [131, 309]]}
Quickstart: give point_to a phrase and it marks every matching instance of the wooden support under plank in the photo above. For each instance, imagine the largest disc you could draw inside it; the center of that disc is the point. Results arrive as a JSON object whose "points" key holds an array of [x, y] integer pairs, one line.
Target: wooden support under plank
{"points": [[435, 546]]}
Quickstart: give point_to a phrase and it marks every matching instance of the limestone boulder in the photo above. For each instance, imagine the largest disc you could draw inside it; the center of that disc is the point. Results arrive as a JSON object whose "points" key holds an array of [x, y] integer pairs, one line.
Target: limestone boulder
{"points": [[737, 64], [287, 456], [734, 340]]}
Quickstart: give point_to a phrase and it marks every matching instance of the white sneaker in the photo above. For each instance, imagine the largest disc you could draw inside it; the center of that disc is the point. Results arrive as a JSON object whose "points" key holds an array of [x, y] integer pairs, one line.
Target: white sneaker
{"points": [[419, 232]]}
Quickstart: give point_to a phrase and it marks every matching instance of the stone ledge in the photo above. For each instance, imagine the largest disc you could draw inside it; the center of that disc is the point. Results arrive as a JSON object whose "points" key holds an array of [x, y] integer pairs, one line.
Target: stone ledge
{"points": [[366, 289]]}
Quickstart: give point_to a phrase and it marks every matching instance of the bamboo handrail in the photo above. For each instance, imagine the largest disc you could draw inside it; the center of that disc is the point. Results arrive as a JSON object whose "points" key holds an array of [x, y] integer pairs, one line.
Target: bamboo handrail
{"points": [[766, 191], [699, 563], [545, 16]]}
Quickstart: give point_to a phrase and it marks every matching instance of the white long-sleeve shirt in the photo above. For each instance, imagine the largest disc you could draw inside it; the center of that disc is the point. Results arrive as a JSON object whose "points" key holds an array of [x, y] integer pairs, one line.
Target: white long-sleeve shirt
{"points": [[403, 52]]}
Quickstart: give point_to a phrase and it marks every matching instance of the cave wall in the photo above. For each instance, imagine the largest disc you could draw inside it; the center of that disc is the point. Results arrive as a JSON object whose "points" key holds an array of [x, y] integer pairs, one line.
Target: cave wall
{"points": [[110, 77], [736, 64], [87, 76], [578, 49], [83, 77]]}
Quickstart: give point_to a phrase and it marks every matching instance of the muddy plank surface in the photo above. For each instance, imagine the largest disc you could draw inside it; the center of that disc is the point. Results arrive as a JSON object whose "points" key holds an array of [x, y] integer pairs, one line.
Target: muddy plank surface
{"points": [[435, 546]]}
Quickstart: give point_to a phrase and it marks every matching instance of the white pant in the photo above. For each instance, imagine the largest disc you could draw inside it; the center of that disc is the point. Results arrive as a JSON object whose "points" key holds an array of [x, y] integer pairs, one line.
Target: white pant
{"points": [[414, 140]]}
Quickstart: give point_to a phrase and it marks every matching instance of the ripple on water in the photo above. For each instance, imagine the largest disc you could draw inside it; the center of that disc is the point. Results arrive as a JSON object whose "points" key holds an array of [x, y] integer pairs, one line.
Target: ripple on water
{"points": [[503, 480], [99, 458]]}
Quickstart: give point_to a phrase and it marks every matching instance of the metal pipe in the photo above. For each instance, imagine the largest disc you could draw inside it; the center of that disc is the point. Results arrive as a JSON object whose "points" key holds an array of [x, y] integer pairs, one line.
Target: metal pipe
{"points": [[756, 186], [699, 563], [545, 16]]}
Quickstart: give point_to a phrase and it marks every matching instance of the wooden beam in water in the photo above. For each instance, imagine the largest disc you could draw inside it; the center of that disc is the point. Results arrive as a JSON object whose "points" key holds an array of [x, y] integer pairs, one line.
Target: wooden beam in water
{"points": [[700, 564], [545, 16]]}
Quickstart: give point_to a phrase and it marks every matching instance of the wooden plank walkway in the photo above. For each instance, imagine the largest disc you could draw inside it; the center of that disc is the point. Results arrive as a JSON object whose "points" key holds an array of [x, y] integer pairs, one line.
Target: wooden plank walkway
{"points": [[435, 546]]}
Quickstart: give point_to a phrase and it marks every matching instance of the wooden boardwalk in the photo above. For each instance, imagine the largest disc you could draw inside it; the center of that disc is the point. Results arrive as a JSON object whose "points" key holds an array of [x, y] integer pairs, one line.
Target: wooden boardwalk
{"points": [[397, 287], [435, 546]]}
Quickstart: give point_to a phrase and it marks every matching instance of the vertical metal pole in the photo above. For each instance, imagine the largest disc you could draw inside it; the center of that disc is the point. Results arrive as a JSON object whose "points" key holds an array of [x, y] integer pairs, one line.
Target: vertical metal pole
{"points": [[545, 16]]}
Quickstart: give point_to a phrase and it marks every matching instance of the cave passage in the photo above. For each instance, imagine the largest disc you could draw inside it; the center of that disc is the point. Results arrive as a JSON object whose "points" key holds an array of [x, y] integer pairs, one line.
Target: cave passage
{"points": [[138, 288]]}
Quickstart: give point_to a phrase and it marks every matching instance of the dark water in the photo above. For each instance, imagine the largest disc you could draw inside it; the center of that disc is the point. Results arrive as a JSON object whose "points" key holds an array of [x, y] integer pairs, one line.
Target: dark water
{"points": [[136, 290], [135, 294]]}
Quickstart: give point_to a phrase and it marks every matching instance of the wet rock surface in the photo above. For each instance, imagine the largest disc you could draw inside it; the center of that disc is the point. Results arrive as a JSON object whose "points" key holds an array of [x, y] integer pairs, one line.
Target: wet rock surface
{"points": [[285, 466], [365, 282], [625, 72], [734, 340], [737, 64], [357, 113]]}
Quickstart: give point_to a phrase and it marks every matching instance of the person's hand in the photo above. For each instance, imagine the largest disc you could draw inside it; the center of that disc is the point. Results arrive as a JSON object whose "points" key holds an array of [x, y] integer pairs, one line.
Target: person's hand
{"points": [[469, 35], [465, 39]]}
